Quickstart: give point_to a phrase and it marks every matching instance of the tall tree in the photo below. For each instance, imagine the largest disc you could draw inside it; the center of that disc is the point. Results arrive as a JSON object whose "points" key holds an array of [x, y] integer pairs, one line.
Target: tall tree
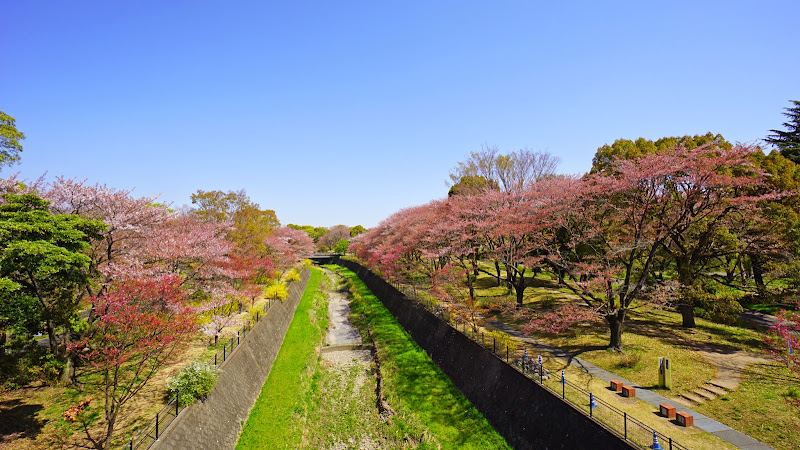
{"points": [[788, 140], [510, 172], [314, 232], [356, 230], [606, 155], [10, 137], [669, 201], [43, 256], [288, 246], [333, 236], [251, 224], [471, 185]]}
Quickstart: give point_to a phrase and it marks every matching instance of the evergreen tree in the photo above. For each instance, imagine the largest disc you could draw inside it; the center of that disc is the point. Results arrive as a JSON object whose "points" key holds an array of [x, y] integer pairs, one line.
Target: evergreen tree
{"points": [[10, 146], [788, 141]]}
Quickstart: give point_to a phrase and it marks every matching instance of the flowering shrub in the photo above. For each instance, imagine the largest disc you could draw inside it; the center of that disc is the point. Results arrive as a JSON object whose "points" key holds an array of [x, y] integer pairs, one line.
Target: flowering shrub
{"points": [[194, 381], [277, 290], [293, 275]]}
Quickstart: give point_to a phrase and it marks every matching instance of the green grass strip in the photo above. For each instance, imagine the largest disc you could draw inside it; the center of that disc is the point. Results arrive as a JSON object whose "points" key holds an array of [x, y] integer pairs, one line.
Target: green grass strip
{"points": [[273, 419], [415, 386]]}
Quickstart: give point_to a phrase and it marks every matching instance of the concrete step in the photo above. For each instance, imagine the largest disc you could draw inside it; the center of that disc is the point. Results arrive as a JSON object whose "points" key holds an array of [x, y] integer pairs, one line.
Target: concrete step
{"points": [[693, 398], [705, 394], [722, 384], [714, 390]]}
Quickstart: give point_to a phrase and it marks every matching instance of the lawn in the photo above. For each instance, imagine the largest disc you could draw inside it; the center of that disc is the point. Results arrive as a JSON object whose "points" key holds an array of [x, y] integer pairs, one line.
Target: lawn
{"points": [[273, 421], [761, 405]]}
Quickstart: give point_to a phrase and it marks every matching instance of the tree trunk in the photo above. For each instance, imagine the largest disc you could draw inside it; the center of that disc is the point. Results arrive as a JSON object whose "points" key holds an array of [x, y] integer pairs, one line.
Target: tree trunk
{"points": [[758, 272], [106, 442], [615, 323], [51, 337], [68, 372], [687, 314], [471, 288], [520, 291], [497, 268], [519, 287]]}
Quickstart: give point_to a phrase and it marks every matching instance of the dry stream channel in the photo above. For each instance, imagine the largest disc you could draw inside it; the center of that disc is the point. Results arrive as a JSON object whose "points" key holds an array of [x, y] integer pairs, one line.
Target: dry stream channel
{"points": [[348, 412]]}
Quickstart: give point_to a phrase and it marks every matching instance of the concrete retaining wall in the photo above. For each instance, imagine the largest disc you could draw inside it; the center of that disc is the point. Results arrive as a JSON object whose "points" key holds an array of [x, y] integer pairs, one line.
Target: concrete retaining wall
{"points": [[217, 422], [526, 414]]}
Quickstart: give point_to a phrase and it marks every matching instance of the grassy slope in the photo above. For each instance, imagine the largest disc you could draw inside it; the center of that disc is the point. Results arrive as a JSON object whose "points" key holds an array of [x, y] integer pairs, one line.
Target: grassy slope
{"points": [[758, 407], [415, 386], [272, 422]]}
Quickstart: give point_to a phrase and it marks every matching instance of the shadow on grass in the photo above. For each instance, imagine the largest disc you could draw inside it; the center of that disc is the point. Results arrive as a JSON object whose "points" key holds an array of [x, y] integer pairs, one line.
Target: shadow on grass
{"points": [[19, 421], [738, 339]]}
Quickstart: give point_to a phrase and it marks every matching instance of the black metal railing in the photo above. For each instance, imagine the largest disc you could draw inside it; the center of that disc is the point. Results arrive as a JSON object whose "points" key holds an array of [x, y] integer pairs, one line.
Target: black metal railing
{"points": [[151, 431], [620, 422]]}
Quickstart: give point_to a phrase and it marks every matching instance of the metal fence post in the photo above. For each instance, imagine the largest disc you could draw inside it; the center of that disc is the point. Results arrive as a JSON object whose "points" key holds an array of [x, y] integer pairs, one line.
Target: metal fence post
{"points": [[563, 385], [626, 425], [494, 345], [224, 351], [506, 353], [177, 403], [156, 426], [130, 447]]}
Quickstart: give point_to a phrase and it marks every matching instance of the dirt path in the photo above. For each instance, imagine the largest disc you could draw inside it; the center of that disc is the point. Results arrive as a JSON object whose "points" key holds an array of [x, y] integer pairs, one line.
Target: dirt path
{"points": [[341, 331], [730, 365], [347, 386]]}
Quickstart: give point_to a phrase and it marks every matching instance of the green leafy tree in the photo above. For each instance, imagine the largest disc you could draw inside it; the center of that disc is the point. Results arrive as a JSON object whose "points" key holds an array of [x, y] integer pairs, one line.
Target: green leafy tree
{"points": [[10, 146], [788, 140], [356, 230], [42, 256], [19, 316], [471, 185], [341, 246], [622, 149], [251, 223], [314, 232]]}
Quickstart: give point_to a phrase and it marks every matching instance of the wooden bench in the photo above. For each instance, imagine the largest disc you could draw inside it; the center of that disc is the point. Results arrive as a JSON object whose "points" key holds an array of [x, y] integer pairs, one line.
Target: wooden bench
{"points": [[684, 419], [667, 411], [616, 386], [628, 391]]}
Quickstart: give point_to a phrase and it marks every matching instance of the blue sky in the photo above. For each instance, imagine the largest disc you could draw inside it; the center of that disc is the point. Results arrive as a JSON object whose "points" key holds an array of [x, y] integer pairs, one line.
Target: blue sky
{"points": [[343, 112]]}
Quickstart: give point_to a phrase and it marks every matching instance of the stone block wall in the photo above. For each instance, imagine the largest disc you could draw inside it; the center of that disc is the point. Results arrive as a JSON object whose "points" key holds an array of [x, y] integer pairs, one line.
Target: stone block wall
{"points": [[526, 414], [217, 422]]}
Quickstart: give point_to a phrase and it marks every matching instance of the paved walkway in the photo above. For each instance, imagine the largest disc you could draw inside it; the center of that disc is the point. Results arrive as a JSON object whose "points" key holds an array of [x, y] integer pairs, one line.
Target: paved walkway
{"points": [[702, 422]]}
